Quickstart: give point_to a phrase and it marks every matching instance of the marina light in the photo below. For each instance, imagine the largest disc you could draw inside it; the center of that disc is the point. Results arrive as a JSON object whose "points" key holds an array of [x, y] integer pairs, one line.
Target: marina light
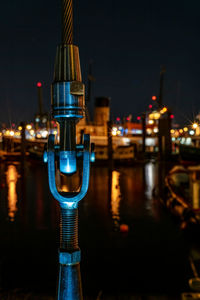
{"points": [[114, 131], [176, 133], [154, 116], [17, 133], [191, 132], [163, 110], [138, 118], [194, 125], [150, 106], [149, 131], [38, 136], [44, 133], [171, 116], [28, 127], [32, 132], [117, 119], [39, 84]]}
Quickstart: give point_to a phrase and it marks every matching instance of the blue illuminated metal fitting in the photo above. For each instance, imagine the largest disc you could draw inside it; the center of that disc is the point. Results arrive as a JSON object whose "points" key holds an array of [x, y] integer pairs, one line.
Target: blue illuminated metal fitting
{"points": [[67, 258], [45, 157], [67, 162], [69, 200], [68, 91], [68, 100], [92, 155]]}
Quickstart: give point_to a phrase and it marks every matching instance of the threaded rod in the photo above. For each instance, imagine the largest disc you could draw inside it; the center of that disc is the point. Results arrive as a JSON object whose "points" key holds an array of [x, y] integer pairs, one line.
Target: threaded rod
{"points": [[67, 22], [69, 230]]}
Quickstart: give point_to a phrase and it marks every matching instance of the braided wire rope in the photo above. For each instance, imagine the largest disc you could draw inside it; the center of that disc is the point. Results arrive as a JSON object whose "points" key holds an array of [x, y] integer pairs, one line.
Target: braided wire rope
{"points": [[67, 22]]}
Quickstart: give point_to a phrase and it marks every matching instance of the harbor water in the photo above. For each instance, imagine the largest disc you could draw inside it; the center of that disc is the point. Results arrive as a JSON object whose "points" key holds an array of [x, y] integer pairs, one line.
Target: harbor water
{"points": [[130, 244]]}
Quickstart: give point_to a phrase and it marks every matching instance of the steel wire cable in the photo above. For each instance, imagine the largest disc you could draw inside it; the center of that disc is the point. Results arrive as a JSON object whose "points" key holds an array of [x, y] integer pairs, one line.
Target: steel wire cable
{"points": [[67, 22]]}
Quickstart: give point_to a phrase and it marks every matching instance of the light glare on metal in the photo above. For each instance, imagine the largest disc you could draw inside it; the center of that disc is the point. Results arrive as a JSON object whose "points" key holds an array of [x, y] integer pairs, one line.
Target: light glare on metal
{"points": [[68, 162]]}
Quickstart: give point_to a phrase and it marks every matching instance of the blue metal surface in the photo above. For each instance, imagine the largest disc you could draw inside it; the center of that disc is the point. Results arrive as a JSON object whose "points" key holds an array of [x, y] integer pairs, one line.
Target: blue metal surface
{"points": [[69, 200], [67, 162], [65, 104], [67, 258], [69, 285]]}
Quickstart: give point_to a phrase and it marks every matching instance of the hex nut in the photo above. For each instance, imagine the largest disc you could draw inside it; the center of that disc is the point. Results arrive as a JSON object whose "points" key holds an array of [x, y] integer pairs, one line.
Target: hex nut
{"points": [[67, 258]]}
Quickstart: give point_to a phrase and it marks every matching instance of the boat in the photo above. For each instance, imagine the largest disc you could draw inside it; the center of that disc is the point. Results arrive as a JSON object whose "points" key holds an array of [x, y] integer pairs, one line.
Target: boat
{"points": [[182, 195], [120, 153]]}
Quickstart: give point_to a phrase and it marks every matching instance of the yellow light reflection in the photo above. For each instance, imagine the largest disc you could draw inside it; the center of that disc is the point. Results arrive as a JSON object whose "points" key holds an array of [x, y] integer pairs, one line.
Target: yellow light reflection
{"points": [[115, 198], [11, 178]]}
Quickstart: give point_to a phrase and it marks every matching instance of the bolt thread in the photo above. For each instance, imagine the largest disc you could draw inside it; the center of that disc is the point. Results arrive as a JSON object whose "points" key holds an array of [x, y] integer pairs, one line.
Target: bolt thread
{"points": [[67, 22], [69, 230]]}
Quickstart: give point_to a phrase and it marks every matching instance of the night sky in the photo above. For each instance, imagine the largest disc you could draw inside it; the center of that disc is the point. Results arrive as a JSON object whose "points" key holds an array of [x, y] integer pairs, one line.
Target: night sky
{"points": [[128, 41]]}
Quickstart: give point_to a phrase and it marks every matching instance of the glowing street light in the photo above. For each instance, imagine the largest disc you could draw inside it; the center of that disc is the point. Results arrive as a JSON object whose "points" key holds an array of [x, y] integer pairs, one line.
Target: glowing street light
{"points": [[28, 127], [151, 122], [163, 110], [191, 132], [194, 125]]}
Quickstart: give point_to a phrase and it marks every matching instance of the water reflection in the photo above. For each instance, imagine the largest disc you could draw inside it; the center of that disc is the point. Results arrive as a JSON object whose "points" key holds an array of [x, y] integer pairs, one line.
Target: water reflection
{"points": [[150, 182], [115, 198], [11, 178]]}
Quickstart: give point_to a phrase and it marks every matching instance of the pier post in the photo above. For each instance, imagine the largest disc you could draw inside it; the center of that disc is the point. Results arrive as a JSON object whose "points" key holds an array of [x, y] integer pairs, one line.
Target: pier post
{"points": [[144, 133], [23, 140], [165, 144], [110, 144]]}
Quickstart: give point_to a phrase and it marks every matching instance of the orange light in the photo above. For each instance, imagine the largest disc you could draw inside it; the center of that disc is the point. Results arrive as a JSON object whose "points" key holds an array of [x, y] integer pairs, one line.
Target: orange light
{"points": [[154, 98], [124, 228]]}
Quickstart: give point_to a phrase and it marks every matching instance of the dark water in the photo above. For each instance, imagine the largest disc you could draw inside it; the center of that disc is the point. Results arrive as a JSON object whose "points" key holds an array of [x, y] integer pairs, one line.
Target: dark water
{"points": [[151, 258]]}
